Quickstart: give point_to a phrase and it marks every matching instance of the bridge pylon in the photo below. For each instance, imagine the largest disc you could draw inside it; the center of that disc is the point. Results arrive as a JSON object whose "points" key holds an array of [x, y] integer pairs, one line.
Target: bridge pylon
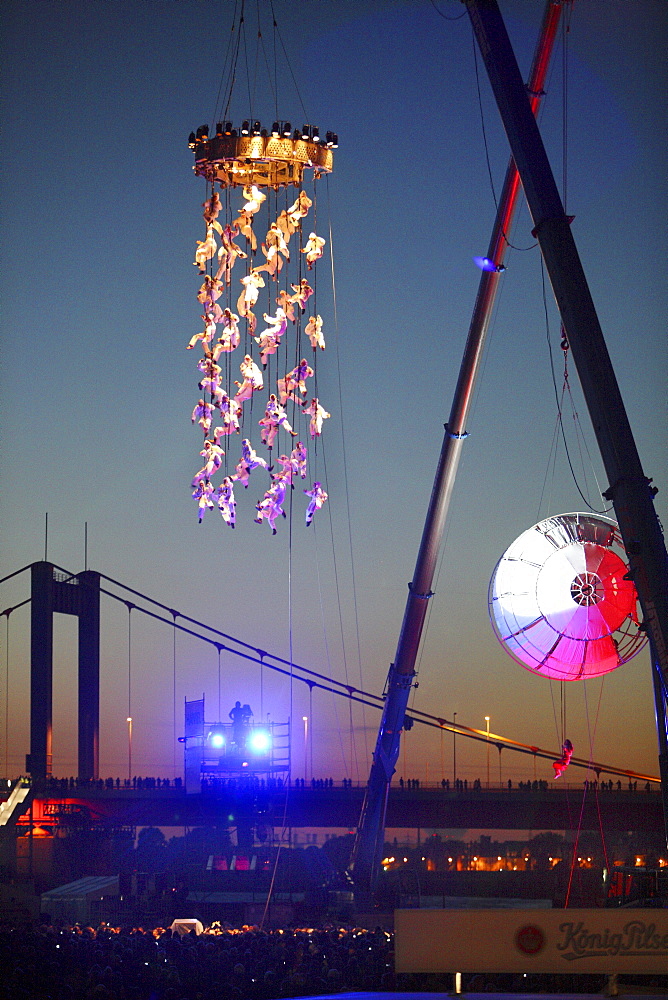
{"points": [[54, 591]]}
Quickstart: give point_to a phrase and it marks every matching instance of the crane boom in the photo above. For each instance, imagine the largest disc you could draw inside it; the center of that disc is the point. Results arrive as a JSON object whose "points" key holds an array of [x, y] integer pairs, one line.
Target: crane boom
{"points": [[369, 841]]}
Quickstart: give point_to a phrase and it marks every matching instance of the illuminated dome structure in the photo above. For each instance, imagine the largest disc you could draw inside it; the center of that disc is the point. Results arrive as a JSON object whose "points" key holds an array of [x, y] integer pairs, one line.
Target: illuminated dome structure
{"points": [[561, 601], [261, 334]]}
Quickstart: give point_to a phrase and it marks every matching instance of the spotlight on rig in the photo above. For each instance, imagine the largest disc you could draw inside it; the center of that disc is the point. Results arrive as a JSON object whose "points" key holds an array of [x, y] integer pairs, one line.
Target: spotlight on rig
{"points": [[216, 738], [260, 741]]}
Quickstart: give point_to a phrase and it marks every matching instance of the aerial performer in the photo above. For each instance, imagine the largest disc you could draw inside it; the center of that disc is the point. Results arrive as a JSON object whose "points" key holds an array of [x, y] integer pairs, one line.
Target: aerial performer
{"points": [[212, 454], [228, 254], [295, 381], [274, 417], [229, 337], [303, 293], [314, 333], [252, 283], [203, 414], [318, 413], [249, 460], [270, 338], [286, 303], [313, 249], [230, 412], [271, 505], [299, 457], [299, 210], [206, 335], [318, 497], [224, 496], [252, 382], [202, 494], [212, 208], [205, 250], [565, 759]]}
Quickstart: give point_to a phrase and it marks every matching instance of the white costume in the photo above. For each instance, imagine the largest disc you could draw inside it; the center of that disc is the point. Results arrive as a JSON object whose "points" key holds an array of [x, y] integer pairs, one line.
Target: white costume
{"points": [[270, 338], [317, 414], [230, 336], [205, 249], [274, 417], [206, 335], [212, 454], [212, 208], [252, 283], [230, 412], [202, 413], [303, 292], [228, 253], [210, 290], [298, 456], [286, 303], [249, 460], [203, 495], [271, 505], [313, 249], [226, 503], [318, 497], [299, 210], [313, 331], [252, 379], [294, 381]]}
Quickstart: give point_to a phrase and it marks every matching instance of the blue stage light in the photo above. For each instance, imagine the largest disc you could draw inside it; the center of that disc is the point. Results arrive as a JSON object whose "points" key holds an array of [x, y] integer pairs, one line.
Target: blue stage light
{"points": [[216, 739], [259, 741], [485, 264]]}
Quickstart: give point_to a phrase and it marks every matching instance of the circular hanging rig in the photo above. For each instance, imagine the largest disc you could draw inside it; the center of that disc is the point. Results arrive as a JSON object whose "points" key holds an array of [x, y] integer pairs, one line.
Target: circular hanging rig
{"points": [[252, 154], [258, 330]]}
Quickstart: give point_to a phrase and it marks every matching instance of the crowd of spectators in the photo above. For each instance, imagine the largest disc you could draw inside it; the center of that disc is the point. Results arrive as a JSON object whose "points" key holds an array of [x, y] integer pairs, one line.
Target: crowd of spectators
{"points": [[82, 963], [109, 963]]}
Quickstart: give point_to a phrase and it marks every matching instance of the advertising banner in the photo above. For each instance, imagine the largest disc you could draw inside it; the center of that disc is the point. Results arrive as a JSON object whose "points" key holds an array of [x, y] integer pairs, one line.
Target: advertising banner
{"points": [[592, 941]]}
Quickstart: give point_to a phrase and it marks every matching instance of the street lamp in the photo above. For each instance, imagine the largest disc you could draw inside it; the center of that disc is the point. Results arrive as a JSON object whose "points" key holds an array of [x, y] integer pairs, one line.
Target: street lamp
{"points": [[454, 751], [487, 721], [305, 721], [129, 722]]}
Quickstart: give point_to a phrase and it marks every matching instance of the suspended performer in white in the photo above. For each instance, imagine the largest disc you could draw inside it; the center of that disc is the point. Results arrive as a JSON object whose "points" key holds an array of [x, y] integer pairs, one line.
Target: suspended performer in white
{"points": [[313, 249], [206, 335], [299, 210], [286, 303], [303, 293], [299, 458], [227, 505], [269, 339], [203, 496], [295, 381], [318, 497], [203, 414], [317, 414], [212, 208], [249, 460], [314, 332], [274, 417], [212, 454], [230, 412], [252, 283], [228, 254], [252, 379], [271, 505], [205, 250], [210, 291], [230, 336]]}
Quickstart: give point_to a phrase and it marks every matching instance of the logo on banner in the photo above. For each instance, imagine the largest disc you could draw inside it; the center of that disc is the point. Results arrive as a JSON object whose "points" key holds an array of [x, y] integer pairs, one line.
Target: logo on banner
{"points": [[530, 939], [635, 938]]}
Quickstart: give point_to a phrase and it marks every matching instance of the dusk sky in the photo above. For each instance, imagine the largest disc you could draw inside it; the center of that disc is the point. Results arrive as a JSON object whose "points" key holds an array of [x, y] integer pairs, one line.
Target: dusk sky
{"points": [[100, 214]]}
